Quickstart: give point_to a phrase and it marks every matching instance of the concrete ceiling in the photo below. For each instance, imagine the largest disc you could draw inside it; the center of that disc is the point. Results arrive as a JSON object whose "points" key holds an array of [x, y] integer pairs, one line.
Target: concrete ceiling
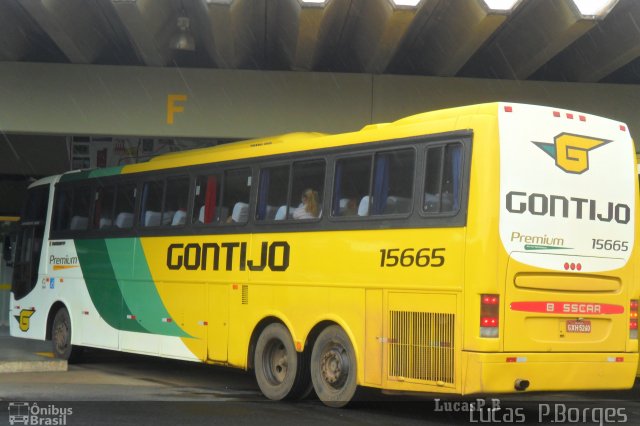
{"points": [[537, 39]]}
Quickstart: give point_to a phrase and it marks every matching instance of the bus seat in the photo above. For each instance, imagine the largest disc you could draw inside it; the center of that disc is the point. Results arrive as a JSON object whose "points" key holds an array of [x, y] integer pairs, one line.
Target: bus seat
{"points": [[105, 222], [167, 217], [431, 202], [397, 204], [447, 201], [271, 212], [240, 212], [201, 215], [124, 220], [343, 203], [363, 208], [180, 218], [79, 222], [151, 218], [281, 213], [223, 214]]}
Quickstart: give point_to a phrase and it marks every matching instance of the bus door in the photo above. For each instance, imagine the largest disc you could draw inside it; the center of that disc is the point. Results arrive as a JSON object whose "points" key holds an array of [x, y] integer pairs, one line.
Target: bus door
{"points": [[29, 242]]}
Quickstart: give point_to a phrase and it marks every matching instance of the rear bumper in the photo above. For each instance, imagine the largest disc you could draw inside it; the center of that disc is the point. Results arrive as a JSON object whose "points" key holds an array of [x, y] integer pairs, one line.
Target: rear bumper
{"points": [[491, 373]]}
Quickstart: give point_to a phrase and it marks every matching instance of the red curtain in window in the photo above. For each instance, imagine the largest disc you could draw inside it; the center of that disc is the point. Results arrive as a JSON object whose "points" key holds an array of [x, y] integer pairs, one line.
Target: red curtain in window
{"points": [[210, 199]]}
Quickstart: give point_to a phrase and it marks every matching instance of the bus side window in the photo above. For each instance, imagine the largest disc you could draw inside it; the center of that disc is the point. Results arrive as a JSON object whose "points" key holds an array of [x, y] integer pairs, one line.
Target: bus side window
{"points": [[207, 199], [308, 176], [125, 203], [62, 209], [351, 194], [273, 191], [80, 209], [393, 176], [71, 209], [151, 211], [174, 212], [235, 195], [103, 207], [442, 179]]}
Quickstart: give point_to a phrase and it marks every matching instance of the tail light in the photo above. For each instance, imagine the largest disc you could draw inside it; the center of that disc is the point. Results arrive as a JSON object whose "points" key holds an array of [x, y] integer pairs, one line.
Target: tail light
{"points": [[489, 315], [633, 319]]}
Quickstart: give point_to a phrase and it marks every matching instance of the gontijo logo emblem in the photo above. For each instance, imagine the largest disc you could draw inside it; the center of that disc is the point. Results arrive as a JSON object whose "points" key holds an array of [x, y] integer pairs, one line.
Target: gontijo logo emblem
{"points": [[571, 152], [24, 318]]}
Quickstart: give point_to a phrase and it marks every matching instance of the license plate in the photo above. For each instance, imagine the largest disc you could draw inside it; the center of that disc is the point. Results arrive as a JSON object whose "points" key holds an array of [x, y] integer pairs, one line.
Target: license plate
{"points": [[579, 326]]}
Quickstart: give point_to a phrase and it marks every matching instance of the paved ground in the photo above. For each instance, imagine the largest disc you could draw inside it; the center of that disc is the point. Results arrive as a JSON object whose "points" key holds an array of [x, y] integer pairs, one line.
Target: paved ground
{"points": [[113, 388], [23, 355]]}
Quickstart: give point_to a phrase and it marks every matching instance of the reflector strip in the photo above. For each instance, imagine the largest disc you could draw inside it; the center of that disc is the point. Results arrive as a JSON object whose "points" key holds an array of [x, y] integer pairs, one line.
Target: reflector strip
{"points": [[508, 109], [203, 323], [85, 312], [167, 320], [567, 308], [615, 359], [556, 113], [131, 317]]}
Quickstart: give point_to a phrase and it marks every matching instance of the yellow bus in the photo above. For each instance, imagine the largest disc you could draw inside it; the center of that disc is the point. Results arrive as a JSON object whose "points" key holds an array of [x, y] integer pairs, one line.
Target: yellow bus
{"points": [[474, 250]]}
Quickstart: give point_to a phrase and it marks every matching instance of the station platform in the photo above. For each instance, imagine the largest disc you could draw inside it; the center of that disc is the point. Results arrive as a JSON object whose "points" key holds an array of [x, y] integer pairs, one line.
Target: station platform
{"points": [[26, 355]]}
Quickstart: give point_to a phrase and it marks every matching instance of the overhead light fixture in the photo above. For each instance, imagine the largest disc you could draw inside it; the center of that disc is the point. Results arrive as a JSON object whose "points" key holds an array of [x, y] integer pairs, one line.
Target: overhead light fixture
{"points": [[594, 8], [183, 39], [313, 2], [501, 5], [405, 3]]}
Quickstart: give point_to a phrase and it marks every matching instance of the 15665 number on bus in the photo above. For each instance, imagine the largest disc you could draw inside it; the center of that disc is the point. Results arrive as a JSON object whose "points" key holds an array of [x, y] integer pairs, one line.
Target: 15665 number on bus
{"points": [[411, 257]]}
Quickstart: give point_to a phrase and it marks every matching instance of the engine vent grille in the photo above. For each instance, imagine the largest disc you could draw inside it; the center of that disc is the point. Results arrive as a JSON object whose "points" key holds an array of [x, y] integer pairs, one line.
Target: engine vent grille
{"points": [[245, 295], [421, 346]]}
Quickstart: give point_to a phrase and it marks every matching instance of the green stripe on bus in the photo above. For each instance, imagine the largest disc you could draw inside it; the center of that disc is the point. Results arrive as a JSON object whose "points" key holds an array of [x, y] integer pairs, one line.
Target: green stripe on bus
{"points": [[109, 171], [70, 177], [96, 173], [103, 286], [138, 289]]}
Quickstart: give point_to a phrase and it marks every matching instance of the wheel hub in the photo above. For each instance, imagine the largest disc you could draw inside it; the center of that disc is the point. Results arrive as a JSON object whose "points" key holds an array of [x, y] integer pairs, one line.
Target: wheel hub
{"points": [[61, 337], [335, 366], [277, 362]]}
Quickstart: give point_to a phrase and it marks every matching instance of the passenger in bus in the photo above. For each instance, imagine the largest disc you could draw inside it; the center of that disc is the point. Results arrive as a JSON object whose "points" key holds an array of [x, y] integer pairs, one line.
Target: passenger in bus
{"points": [[348, 207], [309, 208]]}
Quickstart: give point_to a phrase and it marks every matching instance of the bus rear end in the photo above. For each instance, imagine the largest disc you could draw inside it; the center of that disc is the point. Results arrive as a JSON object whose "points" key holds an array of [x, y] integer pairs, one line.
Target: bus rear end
{"points": [[564, 313]]}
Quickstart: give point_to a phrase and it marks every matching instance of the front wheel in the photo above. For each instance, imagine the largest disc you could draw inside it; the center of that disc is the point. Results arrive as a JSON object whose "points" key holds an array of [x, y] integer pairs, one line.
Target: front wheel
{"points": [[61, 337], [333, 367]]}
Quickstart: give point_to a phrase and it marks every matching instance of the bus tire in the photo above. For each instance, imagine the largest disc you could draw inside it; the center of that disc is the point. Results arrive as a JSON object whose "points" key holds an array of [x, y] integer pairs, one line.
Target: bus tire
{"points": [[333, 367], [61, 337], [281, 372]]}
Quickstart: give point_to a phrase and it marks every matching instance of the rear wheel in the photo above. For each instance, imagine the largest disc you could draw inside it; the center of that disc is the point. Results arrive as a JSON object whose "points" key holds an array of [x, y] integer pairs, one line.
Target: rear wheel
{"points": [[281, 372], [333, 367], [61, 337]]}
